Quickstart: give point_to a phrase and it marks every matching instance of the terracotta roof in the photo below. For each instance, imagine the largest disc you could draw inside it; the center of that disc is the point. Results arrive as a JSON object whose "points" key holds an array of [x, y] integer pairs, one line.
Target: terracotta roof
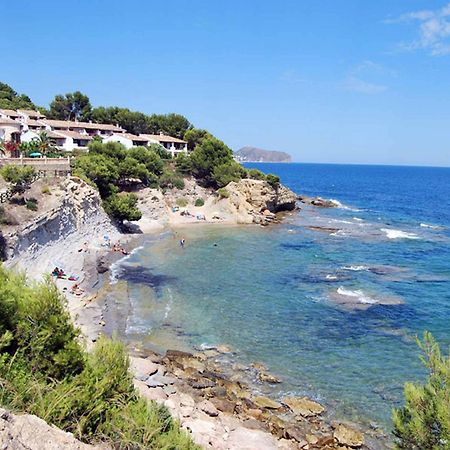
{"points": [[72, 134], [9, 112], [162, 138], [31, 113], [86, 125]]}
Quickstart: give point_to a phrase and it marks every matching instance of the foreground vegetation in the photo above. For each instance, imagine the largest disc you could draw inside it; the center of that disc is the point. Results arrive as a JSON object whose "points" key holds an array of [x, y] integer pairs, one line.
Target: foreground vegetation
{"points": [[45, 371], [424, 422]]}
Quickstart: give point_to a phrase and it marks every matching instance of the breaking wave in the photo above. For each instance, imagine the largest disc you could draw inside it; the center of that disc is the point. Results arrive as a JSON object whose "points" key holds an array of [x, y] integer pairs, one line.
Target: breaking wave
{"points": [[398, 234]]}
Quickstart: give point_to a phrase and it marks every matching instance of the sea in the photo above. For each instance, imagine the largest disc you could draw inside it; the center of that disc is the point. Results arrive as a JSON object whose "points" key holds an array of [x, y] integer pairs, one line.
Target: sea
{"points": [[330, 300]]}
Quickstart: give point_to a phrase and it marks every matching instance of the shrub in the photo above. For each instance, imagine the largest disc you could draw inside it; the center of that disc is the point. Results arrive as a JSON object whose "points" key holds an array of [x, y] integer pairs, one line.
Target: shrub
{"points": [[273, 180], [223, 193], [228, 172], [256, 174], [182, 202], [46, 190], [199, 202], [424, 422], [31, 204], [17, 174], [44, 371], [170, 179], [183, 163], [123, 207], [3, 254]]}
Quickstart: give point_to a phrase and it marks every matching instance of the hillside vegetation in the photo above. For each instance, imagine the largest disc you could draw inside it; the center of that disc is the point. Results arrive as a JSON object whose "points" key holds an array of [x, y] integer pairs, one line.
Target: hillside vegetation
{"points": [[45, 371]]}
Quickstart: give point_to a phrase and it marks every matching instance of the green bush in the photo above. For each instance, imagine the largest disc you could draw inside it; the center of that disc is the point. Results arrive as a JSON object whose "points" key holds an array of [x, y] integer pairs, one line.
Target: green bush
{"points": [[273, 180], [209, 154], [17, 174], [31, 204], [199, 202], [228, 172], [170, 179], [256, 174], [44, 371], [183, 163], [46, 190], [123, 207], [424, 422], [223, 193], [182, 202]]}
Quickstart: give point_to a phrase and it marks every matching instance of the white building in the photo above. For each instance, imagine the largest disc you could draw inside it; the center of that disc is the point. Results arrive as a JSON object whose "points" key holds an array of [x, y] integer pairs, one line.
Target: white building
{"points": [[171, 144], [128, 140]]}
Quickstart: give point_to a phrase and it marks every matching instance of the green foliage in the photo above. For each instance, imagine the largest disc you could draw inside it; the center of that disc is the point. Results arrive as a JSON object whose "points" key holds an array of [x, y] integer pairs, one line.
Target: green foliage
{"points": [[255, 174], [45, 190], [149, 158], [199, 202], [228, 172], [10, 99], [100, 169], [31, 204], [273, 180], [223, 193], [183, 163], [29, 147], [72, 106], [182, 202], [123, 207], [171, 180], [208, 155], [17, 174], [44, 371], [195, 136], [424, 422]]}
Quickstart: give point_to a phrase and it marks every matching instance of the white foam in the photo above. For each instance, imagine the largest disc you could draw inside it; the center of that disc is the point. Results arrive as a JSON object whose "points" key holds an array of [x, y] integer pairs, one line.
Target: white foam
{"points": [[433, 227], [358, 219], [342, 206], [116, 268], [398, 234], [362, 298], [331, 277], [355, 268]]}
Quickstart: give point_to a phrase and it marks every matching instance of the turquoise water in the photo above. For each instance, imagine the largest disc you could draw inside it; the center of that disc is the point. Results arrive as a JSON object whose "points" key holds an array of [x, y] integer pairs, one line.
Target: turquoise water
{"points": [[273, 294]]}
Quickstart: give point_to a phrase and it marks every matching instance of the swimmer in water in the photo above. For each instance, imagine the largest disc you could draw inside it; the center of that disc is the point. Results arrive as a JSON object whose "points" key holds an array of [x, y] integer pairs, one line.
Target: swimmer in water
{"points": [[182, 242]]}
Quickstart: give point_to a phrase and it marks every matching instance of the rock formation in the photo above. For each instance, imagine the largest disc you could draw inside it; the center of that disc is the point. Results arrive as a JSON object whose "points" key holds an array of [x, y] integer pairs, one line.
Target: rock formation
{"points": [[256, 201], [26, 432]]}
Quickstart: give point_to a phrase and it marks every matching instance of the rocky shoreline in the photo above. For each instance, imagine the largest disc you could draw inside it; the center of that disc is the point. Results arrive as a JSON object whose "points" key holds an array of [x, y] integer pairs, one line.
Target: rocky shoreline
{"points": [[219, 409]]}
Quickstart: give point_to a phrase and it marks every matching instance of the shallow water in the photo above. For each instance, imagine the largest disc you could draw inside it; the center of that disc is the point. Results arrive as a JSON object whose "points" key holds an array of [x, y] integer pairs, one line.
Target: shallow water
{"points": [[308, 303]]}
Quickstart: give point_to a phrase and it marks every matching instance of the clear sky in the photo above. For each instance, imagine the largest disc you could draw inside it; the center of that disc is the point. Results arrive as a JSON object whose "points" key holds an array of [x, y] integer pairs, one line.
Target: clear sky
{"points": [[348, 81]]}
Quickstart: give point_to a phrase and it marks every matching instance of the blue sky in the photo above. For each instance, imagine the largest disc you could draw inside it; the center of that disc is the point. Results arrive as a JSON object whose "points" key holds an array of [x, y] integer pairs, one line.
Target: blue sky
{"points": [[346, 81]]}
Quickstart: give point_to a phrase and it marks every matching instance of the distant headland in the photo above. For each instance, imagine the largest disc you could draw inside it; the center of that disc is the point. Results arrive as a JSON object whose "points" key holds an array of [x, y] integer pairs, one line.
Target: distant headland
{"points": [[254, 154]]}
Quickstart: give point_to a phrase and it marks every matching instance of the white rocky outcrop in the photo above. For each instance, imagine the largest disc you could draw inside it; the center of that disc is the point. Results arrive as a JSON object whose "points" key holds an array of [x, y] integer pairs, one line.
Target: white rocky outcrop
{"points": [[27, 432]]}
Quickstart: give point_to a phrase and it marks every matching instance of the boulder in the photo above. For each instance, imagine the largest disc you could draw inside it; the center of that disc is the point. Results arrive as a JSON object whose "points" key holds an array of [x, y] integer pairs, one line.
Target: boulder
{"points": [[245, 439], [142, 368], [207, 407], [348, 436], [303, 406], [27, 432], [265, 377], [265, 402]]}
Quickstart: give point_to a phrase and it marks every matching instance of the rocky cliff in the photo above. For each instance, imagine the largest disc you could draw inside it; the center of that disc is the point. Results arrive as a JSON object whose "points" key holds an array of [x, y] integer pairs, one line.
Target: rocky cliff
{"points": [[256, 201], [76, 216]]}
